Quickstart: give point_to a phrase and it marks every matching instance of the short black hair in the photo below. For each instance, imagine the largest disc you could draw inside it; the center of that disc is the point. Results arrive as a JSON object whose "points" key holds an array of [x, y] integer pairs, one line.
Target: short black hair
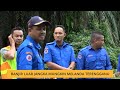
{"points": [[16, 28], [60, 26], [95, 35]]}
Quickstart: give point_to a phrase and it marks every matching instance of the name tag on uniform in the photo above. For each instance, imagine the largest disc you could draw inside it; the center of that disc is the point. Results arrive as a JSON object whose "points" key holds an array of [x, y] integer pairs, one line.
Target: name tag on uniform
{"points": [[90, 55]]}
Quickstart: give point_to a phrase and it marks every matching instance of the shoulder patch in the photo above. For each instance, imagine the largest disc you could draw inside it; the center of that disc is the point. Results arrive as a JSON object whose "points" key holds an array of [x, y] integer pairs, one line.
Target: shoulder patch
{"points": [[46, 50], [29, 57]]}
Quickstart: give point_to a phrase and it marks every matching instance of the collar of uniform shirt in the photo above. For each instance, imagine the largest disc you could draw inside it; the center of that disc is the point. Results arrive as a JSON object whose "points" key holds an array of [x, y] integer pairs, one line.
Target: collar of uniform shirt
{"points": [[64, 44], [90, 47]]}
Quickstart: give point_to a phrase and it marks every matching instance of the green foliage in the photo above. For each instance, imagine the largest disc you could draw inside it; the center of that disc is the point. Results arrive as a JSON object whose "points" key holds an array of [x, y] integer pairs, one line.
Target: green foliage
{"points": [[113, 53], [78, 40]]}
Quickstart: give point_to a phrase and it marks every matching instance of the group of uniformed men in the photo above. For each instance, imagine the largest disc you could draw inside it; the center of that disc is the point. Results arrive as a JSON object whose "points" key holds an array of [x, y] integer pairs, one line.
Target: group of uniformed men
{"points": [[58, 55]]}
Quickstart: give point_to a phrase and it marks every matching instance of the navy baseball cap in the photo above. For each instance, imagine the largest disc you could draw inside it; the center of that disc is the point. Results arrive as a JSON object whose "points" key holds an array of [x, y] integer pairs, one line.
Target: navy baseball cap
{"points": [[36, 20]]}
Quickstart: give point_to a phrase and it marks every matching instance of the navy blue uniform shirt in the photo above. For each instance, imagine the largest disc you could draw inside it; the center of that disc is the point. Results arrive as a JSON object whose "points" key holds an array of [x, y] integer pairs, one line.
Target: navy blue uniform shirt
{"points": [[90, 59], [62, 56], [28, 56]]}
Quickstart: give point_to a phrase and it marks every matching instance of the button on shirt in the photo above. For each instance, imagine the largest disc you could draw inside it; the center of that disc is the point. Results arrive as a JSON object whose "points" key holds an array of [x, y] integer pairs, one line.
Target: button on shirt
{"points": [[28, 56], [62, 56], [90, 59]]}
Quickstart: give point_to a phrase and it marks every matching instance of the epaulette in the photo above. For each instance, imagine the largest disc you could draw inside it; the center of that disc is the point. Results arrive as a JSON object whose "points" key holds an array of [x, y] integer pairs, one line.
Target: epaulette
{"points": [[50, 43], [83, 49], [30, 44]]}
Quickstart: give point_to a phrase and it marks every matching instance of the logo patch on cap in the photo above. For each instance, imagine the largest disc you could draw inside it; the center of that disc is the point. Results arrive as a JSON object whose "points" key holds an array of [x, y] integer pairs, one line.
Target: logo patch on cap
{"points": [[29, 57], [46, 50]]}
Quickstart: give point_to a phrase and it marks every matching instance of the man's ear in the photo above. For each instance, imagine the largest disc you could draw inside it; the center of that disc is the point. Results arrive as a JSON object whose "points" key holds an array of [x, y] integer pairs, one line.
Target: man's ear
{"points": [[29, 29], [95, 40], [64, 34]]}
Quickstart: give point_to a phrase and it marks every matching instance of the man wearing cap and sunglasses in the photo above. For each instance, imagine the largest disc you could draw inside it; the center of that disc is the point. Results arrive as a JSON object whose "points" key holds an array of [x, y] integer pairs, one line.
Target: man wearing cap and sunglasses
{"points": [[28, 56]]}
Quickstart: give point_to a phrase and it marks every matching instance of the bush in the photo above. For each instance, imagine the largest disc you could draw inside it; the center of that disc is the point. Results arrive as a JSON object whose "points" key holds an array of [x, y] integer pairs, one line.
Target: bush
{"points": [[113, 53], [78, 40]]}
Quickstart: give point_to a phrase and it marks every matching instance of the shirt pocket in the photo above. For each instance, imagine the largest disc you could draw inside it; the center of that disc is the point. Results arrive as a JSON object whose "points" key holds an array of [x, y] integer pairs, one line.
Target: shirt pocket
{"points": [[25, 67], [103, 60], [55, 56], [90, 61], [66, 56], [28, 67]]}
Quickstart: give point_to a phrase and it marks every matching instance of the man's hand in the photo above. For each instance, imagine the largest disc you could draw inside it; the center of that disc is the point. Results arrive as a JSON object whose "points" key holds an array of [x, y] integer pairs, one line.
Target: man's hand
{"points": [[117, 74], [10, 54], [67, 69], [72, 65], [70, 68], [12, 42]]}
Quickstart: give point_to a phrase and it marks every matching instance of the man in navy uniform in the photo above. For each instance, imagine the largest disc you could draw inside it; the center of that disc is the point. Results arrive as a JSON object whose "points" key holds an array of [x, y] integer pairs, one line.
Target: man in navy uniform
{"points": [[59, 55], [94, 56], [28, 56]]}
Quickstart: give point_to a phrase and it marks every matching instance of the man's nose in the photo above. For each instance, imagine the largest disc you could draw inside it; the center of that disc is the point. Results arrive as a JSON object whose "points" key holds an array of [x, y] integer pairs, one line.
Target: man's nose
{"points": [[19, 37], [58, 35]]}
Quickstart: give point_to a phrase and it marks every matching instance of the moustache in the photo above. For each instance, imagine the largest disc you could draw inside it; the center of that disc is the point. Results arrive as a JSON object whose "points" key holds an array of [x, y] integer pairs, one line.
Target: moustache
{"points": [[18, 40], [43, 34]]}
